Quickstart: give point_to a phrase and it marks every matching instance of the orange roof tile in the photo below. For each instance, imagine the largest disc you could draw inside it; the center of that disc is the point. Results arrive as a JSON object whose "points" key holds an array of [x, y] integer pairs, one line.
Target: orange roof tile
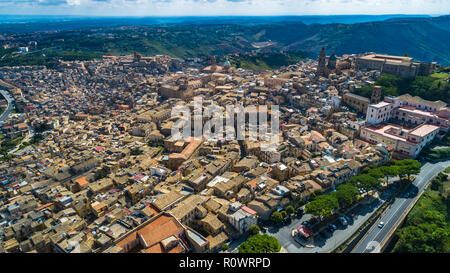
{"points": [[82, 181], [154, 232]]}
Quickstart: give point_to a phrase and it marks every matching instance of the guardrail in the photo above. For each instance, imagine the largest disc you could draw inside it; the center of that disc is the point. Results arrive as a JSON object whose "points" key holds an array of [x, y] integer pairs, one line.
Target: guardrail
{"points": [[389, 236], [360, 234]]}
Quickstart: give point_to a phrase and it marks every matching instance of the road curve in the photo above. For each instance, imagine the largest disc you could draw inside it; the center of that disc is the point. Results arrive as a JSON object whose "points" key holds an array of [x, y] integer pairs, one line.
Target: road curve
{"points": [[10, 101]]}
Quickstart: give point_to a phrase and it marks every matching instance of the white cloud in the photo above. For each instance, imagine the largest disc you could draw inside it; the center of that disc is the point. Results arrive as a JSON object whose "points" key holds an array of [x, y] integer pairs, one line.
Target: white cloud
{"points": [[225, 7], [73, 2]]}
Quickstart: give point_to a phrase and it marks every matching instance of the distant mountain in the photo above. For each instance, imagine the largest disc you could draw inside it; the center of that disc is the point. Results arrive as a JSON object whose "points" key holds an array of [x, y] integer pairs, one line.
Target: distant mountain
{"points": [[26, 23], [423, 38]]}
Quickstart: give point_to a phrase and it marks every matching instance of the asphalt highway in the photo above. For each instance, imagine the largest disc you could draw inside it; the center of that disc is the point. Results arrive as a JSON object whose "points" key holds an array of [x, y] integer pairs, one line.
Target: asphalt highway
{"points": [[392, 216]]}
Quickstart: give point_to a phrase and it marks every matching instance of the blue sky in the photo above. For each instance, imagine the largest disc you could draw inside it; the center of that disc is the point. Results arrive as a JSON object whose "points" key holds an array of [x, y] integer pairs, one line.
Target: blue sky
{"points": [[222, 7]]}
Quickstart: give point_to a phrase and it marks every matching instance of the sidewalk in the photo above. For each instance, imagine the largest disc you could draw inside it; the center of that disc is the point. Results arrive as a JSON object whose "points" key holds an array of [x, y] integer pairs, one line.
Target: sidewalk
{"points": [[364, 210]]}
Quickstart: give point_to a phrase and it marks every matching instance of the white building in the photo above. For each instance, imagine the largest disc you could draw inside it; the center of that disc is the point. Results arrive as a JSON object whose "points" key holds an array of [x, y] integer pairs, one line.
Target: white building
{"points": [[409, 109], [405, 142], [379, 112], [426, 118], [243, 218]]}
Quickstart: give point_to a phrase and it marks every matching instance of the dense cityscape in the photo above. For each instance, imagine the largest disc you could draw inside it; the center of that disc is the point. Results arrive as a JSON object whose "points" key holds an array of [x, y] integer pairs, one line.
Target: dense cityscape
{"points": [[224, 135], [89, 163]]}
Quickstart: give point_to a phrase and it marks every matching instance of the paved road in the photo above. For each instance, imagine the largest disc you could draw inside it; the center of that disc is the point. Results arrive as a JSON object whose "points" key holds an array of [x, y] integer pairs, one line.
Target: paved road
{"points": [[10, 101], [360, 215], [28, 137], [391, 217], [6, 113], [283, 234]]}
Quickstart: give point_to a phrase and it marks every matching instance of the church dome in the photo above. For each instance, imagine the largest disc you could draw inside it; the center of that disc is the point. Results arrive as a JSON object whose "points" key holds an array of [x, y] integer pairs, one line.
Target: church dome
{"points": [[332, 57]]}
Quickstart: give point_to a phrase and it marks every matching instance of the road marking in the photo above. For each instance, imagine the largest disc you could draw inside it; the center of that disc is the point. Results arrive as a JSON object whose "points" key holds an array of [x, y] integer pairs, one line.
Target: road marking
{"points": [[430, 173], [374, 247], [386, 221]]}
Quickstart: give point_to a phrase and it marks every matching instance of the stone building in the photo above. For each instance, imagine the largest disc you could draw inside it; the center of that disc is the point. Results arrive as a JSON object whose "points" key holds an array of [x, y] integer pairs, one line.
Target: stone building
{"points": [[321, 60], [359, 103], [332, 61], [376, 94], [400, 66]]}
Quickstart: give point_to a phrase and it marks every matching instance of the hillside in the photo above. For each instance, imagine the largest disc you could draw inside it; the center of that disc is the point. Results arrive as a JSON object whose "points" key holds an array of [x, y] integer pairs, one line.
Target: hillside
{"points": [[267, 61], [433, 87], [425, 39]]}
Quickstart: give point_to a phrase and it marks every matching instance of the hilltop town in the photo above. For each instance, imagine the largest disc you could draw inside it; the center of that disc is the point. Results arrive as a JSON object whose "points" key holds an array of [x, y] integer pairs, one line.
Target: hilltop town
{"points": [[88, 162]]}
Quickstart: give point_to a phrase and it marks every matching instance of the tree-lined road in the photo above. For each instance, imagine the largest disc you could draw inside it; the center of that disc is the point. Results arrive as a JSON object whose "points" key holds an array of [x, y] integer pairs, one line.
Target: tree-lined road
{"points": [[360, 215], [392, 216]]}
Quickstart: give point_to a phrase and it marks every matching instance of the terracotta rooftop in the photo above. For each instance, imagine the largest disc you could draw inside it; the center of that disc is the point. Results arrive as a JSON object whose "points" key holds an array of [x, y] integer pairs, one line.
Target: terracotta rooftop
{"points": [[154, 232], [82, 181]]}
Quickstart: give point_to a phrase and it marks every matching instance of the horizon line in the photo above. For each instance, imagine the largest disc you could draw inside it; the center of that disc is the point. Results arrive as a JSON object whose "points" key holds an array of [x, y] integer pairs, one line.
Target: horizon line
{"points": [[232, 15]]}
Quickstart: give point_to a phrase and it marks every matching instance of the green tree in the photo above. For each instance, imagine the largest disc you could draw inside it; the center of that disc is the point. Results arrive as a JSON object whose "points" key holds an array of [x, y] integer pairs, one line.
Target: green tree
{"points": [[389, 171], [423, 238], [323, 206], [253, 230], [276, 217], [6, 157], [300, 203], [260, 243], [367, 169], [225, 247], [376, 172], [290, 210], [136, 151], [426, 217], [364, 181], [436, 184], [346, 194], [409, 167]]}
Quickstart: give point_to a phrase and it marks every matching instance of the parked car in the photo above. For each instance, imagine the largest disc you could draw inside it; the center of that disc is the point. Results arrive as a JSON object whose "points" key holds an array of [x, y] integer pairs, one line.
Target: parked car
{"points": [[347, 218], [343, 221], [299, 239], [325, 234], [321, 236], [381, 225], [331, 226], [313, 221]]}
